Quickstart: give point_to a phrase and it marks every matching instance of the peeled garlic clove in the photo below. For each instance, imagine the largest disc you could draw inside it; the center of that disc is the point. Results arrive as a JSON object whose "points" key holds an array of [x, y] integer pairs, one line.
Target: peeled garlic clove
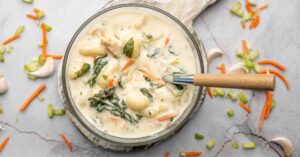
{"points": [[285, 144], [214, 53], [237, 69], [46, 70], [3, 84]]}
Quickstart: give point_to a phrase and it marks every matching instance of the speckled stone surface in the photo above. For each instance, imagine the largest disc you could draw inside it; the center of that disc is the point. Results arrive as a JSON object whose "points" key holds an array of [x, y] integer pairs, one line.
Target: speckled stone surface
{"points": [[34, 134]]}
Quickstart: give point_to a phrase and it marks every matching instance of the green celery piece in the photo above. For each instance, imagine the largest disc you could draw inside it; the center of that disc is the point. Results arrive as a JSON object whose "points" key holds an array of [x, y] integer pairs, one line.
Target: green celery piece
{"points": [[219, 92], [249, 145], [2, 50], [247, 17], [28, 1], [50, 111], [236, 9], [256, 67], [248, 64], [232, 95], [59, 111], [210, 143], [240, 54], [254, 56], [235, 145], [237, 12], [48, 28], [32, 77], [19, 30], [32, 67], [40, 14], [40, 60], [230, 112], [2, 59], [241, 95], [199, 136]]}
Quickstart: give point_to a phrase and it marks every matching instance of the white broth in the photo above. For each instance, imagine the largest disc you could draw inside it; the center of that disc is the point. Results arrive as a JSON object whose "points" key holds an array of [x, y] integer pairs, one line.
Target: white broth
{"points": [[115, 74]]}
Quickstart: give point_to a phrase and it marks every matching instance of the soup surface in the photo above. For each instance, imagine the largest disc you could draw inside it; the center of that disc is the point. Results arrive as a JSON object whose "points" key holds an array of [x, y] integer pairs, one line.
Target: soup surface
{"points": [[115, 73]]}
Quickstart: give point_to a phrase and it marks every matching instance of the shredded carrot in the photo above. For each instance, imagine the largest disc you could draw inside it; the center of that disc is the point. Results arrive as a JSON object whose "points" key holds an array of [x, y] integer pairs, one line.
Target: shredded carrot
{"points": [[111, 83], [55, 56], [167, 116], [32, 96], [68, 143], [222, 68], [245, 107], [10, 39], [36, 10], [243, 25], [167, 41], [166, 154], [249, 8], [255, 21], [3, 143], [277, 73], [210, 93], [263, 6], [194, 153], [272, 62], [44, 40], [245, 47], [33, 17], [268, 103], [129, 62], [150, 75], [262, 115]]}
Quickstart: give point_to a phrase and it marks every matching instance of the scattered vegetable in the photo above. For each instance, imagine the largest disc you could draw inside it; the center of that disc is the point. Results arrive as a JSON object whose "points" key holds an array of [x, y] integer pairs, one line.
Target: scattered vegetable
{"points": [[54, 56], [211, 143], [235, 145], [210, 92], [272, 62], [255, 22], [28, 1], [249, 145], [232, 95], [129, 63], [285, 144], [20, 30], [3, 143], [14, 37], [44, 31], [166, 117], [83, 70], [99, 63], [199, 136], [245, 107], [260, 8], [45, 70], [32, 96], [50, 111], [1, 108], [41, 98], [236, 9], [68, 143], [166, 154], [249, 8], [59, 112], [230, 112], [277, 73], [219, 92], [193, 153], [222, 68], [269, 103], [241, 95], [33, 17], [245, 47]]}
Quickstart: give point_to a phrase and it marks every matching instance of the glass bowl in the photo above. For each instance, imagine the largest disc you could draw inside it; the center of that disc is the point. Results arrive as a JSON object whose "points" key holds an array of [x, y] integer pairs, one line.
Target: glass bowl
{"points": [[125, 144]]}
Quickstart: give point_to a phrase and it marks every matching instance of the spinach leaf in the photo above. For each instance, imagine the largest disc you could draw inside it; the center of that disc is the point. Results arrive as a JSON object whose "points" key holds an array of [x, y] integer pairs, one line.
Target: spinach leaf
{"points": [[154, 52], [179, 86], [129, 47], [171, 50], [99, 63], [146, 92]]}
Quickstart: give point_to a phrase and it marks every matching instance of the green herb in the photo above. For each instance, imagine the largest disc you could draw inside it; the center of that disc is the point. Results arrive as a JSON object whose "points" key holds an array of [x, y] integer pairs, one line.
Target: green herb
{"points": [[230, 112], [129, 47], [219, 92], [210, 143], [28, 1], [99, 63], [50, 111], [20, 29], [241, 95], [59, 111], [107, 100], [232, 95], [235, 145], [199, 136], [236, 9], [83, 70], [154, 53], [146, 92], [247, 17], [249, 145], [171, 50], [179, 86]]}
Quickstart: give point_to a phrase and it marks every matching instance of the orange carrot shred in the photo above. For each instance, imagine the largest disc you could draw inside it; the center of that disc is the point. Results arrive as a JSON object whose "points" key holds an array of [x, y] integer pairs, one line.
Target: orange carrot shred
{"points": [[277, 73], [245, 47], [272, 62], [255, 21], [33, 17], [193, 153], [55, 56], [245, 107], [166, 154], [36, 10], [249, 8], [111, 83], [263, 6], [167, 41], [32, 96], [210, 93], [68, 143], [262, 115], [243, 25], [150, 75], [44, 53], [222, 68], [129, 62], [3, 143], [167, 116], [268, 104], [10, 39]]}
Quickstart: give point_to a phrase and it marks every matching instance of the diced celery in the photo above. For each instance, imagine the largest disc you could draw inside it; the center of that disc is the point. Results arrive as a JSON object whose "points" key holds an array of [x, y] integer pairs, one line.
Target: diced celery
{"points": [[40, 14], [232, 95], [247, 17], [249, 145], [48, 28], [254, 56], [210, 143], [240, 54], [20, 29], [248, 64], [230, 112], [28, 1], [219, 92], [236, 9], [2, 49], [59, 111], [241, 95], [32, 67], [199, 136], [50, 111], [235, 145]]}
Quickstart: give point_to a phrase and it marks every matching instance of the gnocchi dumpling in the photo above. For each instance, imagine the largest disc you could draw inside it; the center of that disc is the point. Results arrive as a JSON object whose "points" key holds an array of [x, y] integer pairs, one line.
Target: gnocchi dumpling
{"points": [[137, 102], [113, 45], [91, 46], [155, 110], [140, 22], [107, 73], [96, 30]]}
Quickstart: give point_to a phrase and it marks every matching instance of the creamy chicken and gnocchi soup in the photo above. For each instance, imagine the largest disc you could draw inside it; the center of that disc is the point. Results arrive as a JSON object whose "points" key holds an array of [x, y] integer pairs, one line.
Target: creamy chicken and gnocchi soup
{"points": [[115, 74]]}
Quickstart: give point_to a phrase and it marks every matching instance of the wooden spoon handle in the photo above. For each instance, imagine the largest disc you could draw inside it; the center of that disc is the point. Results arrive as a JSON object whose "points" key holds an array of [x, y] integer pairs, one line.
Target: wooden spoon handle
{"points": [[243, 81]]}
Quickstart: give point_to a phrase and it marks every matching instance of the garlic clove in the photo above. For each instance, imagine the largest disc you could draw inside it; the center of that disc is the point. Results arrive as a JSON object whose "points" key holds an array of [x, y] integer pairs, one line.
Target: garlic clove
{"points": [[285, 144], [46, 70], [3, 84], [214, 53], [237, 69]]}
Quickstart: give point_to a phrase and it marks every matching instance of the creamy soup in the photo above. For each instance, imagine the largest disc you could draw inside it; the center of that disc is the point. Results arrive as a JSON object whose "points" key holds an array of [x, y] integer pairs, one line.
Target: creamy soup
{"points": [[115, 74]]}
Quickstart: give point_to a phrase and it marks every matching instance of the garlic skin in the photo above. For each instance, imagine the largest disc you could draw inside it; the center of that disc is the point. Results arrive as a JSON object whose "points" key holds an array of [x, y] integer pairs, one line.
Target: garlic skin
{"points": [[46, 70], [285, 144], [214, 53], [237, 69], [3, 84]]}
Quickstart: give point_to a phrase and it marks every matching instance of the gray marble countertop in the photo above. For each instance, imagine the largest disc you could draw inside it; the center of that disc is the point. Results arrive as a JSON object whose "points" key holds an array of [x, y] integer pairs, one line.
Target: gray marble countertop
{"points": [[34, 134]]}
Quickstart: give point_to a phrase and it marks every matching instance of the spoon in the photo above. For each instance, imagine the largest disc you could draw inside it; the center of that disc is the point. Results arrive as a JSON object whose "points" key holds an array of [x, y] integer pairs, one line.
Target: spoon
{"points": [[242, 81]]}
